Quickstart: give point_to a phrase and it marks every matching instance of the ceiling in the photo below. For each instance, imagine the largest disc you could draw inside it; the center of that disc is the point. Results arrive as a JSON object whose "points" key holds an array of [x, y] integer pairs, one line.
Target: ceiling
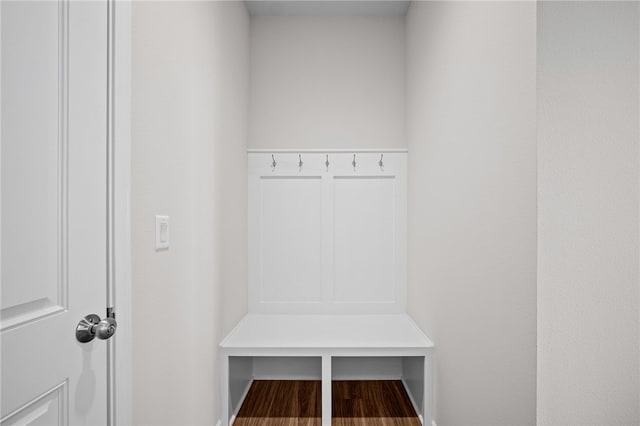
{"points": [[327, 7]]}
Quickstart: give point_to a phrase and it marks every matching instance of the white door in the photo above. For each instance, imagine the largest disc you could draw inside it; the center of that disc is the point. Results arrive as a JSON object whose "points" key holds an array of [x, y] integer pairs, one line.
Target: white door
{"points": [[53, 210]]}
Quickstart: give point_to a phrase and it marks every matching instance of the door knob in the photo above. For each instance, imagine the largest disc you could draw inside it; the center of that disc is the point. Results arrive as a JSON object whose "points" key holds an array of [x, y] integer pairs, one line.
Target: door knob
{"points": [[91, 326]]}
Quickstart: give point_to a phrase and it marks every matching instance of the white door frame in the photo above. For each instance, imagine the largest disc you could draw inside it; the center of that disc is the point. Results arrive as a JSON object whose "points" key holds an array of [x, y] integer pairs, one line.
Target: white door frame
{"points": [[122, 210]]}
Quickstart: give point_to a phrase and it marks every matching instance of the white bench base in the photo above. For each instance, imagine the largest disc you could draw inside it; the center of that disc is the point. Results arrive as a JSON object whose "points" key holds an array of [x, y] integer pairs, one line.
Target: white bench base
{"points": [[326, 347]]}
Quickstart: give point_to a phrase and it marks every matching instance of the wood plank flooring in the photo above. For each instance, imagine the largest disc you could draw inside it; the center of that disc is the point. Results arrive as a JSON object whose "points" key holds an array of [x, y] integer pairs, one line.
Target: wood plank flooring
{"points": [[281, 403], [371, 403], [299, 403]]}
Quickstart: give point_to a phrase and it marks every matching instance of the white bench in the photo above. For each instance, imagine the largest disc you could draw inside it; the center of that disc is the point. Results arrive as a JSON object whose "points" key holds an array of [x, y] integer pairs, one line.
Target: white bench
{"points": [[326, 347], [327, 278]]}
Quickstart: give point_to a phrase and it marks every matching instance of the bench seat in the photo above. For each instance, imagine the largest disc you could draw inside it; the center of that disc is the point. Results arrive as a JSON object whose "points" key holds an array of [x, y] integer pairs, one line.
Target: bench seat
{"points": [[392, 331], [328, 337]]}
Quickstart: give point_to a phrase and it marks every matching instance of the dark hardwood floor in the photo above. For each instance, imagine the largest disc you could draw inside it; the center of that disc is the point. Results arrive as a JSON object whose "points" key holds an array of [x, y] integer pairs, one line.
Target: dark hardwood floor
{"points": [[281, 403], [354, 403], [371, 403]]}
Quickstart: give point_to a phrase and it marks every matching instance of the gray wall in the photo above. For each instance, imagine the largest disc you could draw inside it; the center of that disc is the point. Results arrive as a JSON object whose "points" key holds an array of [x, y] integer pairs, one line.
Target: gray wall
{"points": [[588, 333], [189, 121], [327, 82], [471, 92]]}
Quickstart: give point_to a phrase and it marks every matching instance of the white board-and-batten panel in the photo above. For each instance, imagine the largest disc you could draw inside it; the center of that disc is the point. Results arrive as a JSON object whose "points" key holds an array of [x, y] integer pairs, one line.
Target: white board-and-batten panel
{"points": [[326, 236]]}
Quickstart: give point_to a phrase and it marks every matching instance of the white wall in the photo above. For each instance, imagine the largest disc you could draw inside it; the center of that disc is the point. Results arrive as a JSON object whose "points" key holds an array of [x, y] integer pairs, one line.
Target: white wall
{"points": [[327, 82], [588, 332], [189, 115], [232, 128], [472, 204]]}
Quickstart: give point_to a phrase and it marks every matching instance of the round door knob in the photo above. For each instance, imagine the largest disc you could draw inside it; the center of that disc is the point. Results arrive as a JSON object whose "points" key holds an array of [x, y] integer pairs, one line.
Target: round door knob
{"points": [[105, 328], [91, 326]]}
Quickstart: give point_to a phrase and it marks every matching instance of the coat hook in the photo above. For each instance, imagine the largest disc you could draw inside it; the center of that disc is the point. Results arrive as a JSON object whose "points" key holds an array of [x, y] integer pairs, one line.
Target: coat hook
{"points": [[273, 165], [300, 163], [381, 163], [326, 163], [353, 163]]}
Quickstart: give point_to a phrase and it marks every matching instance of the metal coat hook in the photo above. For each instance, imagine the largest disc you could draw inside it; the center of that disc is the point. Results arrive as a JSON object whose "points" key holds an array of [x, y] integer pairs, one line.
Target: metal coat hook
{"points": [[273, 165], [300, 163], [381, 163], [326, 163], [353, 163]]}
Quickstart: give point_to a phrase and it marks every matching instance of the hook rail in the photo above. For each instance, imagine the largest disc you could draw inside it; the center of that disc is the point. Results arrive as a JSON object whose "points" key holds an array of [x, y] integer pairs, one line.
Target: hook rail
{"points": [[355, 163]]}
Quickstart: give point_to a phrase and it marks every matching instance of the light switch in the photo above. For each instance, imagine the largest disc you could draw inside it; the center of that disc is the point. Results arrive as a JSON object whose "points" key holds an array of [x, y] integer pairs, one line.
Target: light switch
{"points": [[162, 232]]}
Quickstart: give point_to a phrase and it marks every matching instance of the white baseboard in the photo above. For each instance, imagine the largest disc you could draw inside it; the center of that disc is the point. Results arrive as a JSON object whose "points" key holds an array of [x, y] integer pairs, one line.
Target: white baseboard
{"points": [[413, 402], [233, 415], [415, 406], [242, 398]]}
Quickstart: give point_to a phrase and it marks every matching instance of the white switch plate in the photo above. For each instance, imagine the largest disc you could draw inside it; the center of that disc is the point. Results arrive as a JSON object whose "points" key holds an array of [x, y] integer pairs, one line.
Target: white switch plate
{"points": [[162, 232]]}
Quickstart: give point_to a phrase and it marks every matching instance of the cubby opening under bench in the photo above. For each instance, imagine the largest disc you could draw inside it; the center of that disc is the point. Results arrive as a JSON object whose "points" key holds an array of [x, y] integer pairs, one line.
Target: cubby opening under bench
{"points": [[327, 279]]}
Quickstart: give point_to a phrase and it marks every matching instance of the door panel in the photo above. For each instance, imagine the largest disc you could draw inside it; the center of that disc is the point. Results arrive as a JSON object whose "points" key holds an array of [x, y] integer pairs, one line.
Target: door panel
{"points": [[53, 210], [33, 74], [48, 409]]}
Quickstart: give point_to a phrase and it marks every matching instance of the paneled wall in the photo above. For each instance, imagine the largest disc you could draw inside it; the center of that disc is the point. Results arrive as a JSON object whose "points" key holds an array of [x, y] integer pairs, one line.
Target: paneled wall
{"points": [[327, 232]]}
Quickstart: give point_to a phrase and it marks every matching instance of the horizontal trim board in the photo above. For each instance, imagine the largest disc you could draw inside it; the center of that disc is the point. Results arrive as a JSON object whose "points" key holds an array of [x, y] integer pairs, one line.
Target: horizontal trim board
{"points": [[364, 176], [250, 351], [291, 177], [328, 151]]}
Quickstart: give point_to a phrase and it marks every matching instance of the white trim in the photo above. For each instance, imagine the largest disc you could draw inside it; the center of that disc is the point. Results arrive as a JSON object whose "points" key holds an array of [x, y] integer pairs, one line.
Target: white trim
{"points": [[413, 401], [122, 226], [1, 144], [327, 151], [326, 389], [110, 238], [242, 398]]}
